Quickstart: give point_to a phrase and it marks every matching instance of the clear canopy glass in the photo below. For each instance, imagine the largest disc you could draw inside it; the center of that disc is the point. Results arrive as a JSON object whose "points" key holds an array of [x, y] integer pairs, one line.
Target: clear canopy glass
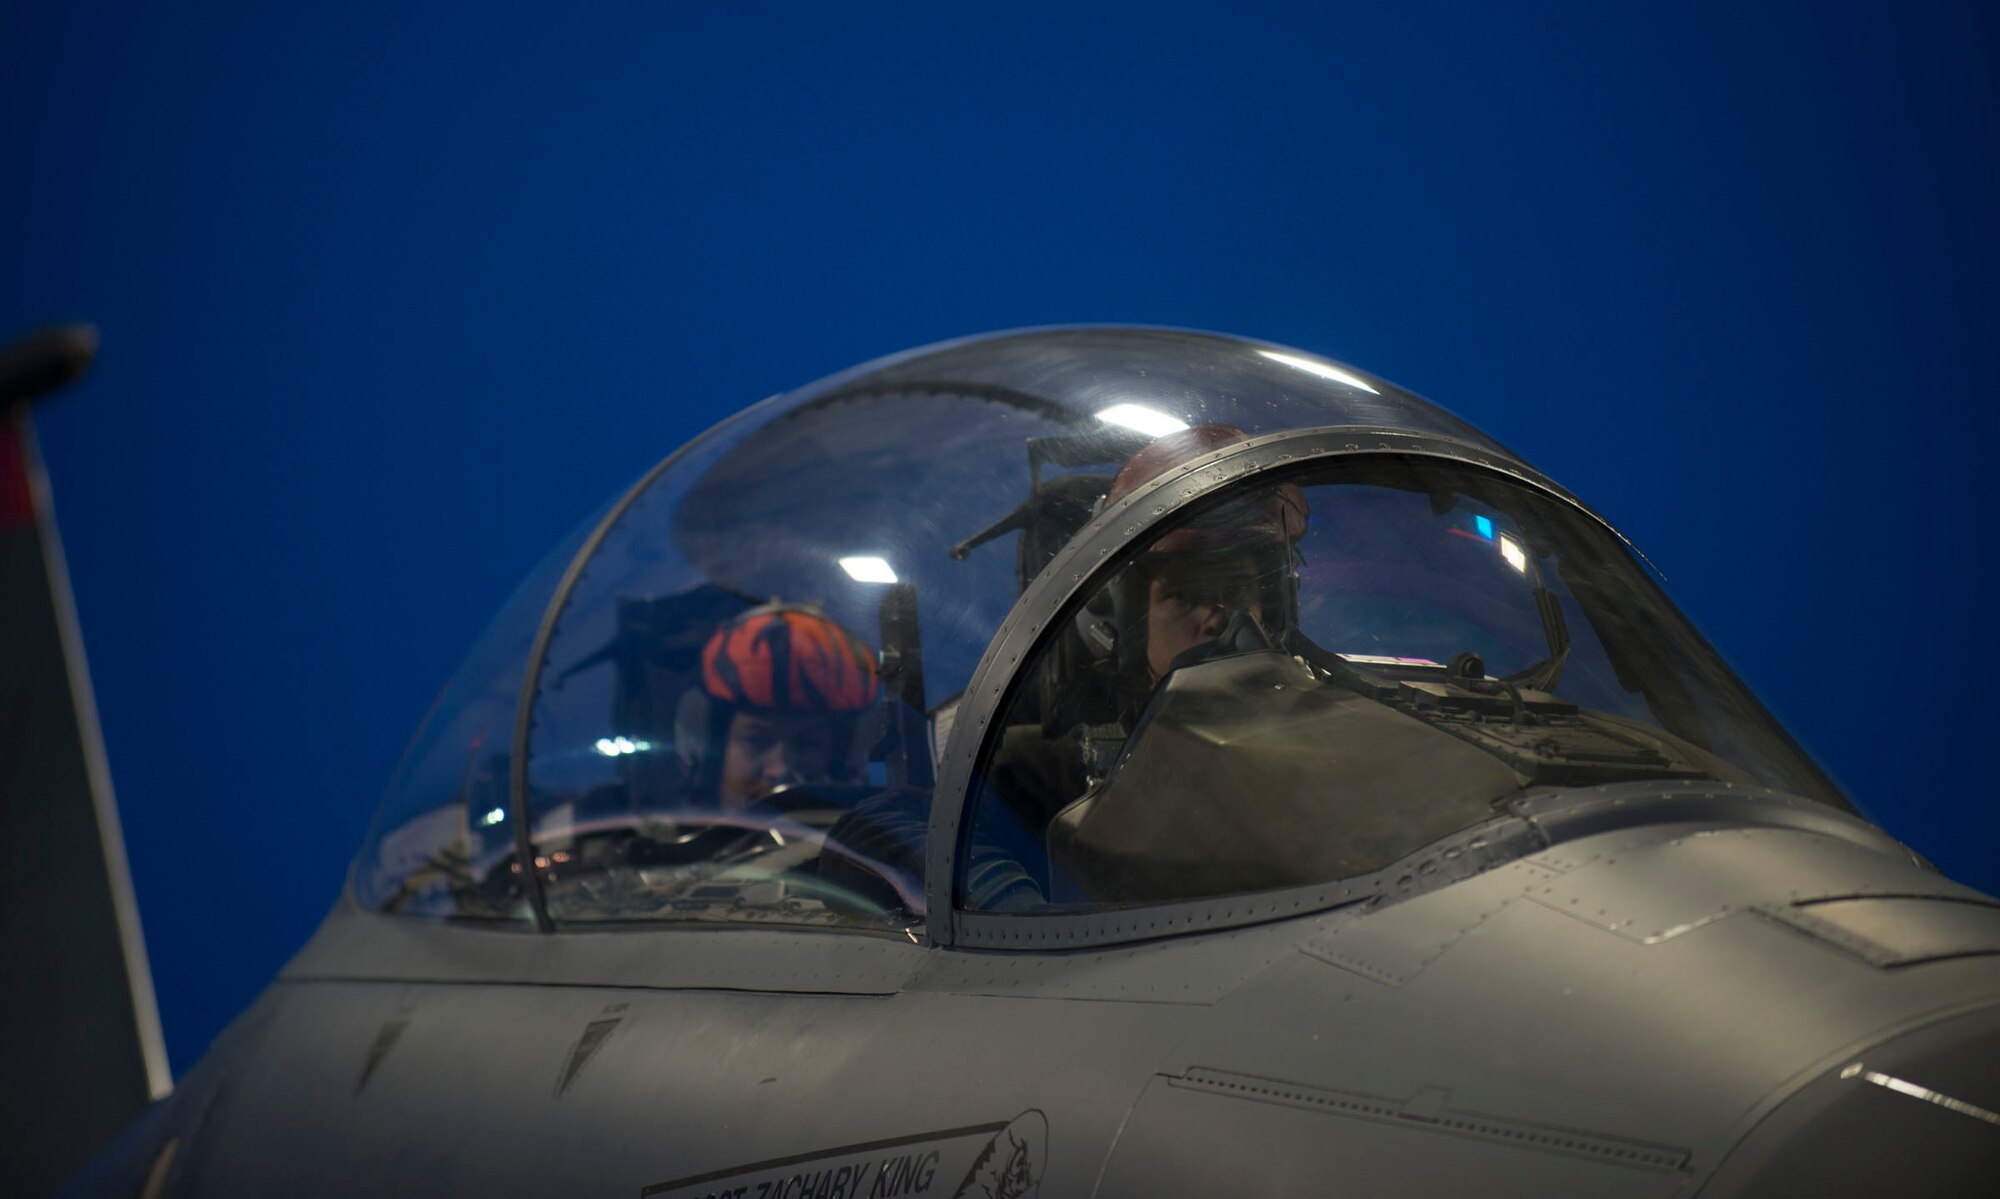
{"points": [[738, 684]]}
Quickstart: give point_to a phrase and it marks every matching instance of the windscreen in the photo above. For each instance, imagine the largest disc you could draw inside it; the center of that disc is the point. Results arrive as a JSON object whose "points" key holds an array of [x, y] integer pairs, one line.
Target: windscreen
{"points": [[1306, 680]]}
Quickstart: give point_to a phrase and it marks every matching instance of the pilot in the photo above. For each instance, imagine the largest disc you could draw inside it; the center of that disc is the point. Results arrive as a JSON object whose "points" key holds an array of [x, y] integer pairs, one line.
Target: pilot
{"points": [[778, 701], [1221, 580], [783, 698], [1228, 573]]}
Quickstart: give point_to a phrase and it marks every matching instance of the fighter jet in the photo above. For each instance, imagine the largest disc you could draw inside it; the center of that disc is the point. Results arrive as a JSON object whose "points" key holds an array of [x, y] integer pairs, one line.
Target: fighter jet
{"points": [[1104, 761]]}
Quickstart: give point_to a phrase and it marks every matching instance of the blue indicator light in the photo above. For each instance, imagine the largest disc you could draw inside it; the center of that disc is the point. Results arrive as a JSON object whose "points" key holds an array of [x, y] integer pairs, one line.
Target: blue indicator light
{"points": [[1485, 526]]}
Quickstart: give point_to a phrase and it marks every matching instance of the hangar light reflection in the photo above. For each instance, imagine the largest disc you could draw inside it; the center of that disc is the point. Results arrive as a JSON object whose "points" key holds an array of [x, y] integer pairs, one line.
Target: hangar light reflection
{"points": [[1324, 370], [868, 570], [1145, 420]]}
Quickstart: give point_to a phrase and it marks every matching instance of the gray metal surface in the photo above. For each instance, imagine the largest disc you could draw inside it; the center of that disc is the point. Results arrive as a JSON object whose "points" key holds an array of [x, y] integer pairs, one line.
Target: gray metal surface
{"points": [[1657, 989], [1487, 1028], [1497, 1005]]}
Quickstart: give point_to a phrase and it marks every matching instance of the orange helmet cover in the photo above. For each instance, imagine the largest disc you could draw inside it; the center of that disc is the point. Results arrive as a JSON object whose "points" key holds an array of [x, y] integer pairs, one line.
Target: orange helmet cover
{"points": [[781, 656]]}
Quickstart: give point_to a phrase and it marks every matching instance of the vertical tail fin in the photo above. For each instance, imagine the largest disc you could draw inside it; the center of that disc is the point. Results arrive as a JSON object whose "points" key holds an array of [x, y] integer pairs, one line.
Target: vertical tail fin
{"points": [[79, 1029]]}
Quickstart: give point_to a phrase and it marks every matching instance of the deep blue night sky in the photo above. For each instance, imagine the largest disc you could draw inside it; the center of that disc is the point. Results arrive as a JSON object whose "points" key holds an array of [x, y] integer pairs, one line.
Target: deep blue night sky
{"points": [[392, 298]]}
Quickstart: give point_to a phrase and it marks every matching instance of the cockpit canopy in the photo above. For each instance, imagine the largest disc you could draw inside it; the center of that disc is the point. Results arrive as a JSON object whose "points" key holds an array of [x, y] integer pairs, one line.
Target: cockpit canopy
{"points": [[729, 697]]}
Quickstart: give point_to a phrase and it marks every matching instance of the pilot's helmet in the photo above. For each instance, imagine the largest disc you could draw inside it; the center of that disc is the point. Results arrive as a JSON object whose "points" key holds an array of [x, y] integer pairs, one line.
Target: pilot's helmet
{"points": [[1239, 558], [779, 701]]}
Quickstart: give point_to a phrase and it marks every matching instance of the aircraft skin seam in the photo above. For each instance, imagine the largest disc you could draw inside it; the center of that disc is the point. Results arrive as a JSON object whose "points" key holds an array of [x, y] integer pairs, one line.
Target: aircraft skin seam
{"points": [[1327, 947], [1799, 917], [1426, 1111]]}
